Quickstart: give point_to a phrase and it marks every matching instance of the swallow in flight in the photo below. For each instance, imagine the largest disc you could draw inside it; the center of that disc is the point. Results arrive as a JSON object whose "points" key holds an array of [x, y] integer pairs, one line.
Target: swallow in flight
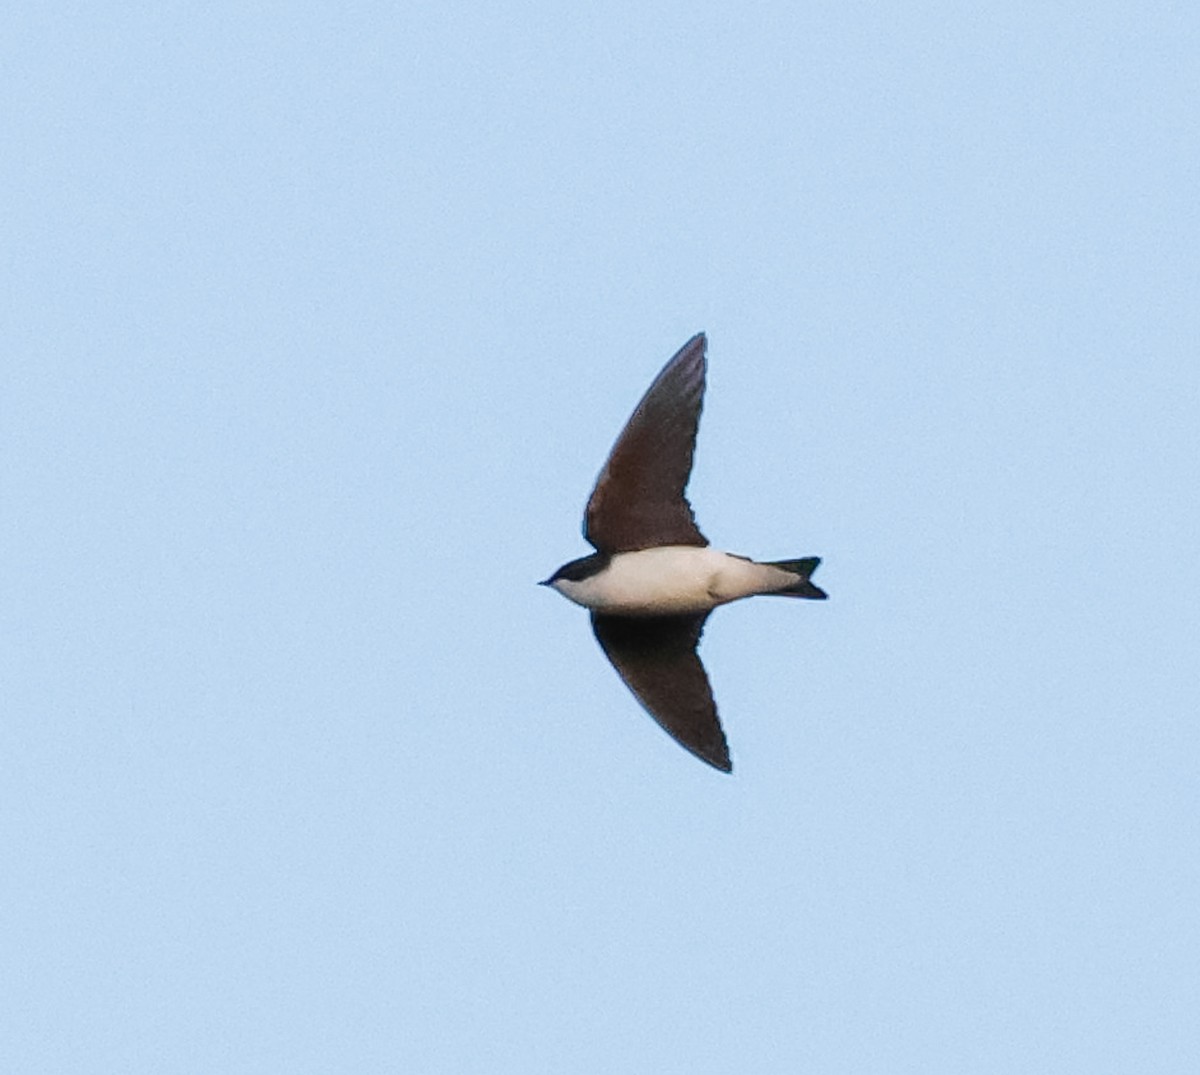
{"points": [[654, 578]]}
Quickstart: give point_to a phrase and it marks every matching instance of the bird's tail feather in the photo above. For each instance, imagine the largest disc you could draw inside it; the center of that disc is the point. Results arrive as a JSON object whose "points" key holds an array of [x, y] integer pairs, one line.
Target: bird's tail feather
{"points": [[802, 569]]}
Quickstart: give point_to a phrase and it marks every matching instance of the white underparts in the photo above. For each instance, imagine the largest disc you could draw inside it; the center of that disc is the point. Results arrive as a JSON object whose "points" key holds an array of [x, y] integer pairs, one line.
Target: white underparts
{"points": [[673, 579]]}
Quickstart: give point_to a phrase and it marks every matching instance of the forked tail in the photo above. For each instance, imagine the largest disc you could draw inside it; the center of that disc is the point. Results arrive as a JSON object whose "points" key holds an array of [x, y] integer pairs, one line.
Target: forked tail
{"points": [[803, 586]]}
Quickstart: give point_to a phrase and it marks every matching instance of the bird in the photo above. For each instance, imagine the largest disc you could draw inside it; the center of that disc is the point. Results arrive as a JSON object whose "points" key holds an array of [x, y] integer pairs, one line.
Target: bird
{"points": [[654, 579]]}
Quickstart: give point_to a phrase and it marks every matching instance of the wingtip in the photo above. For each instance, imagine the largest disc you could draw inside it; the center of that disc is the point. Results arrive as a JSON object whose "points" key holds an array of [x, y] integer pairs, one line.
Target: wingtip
{"points": [[714, 754], [695, 348]]}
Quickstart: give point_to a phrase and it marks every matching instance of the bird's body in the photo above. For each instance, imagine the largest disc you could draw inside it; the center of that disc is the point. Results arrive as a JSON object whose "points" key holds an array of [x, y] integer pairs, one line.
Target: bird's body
{"points": [[671, 580], [654, 578]]}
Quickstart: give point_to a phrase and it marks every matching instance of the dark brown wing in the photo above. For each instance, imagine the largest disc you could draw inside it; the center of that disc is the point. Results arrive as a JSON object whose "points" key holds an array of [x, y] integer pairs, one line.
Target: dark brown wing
{"points": [[638, 502], [656, 657]]}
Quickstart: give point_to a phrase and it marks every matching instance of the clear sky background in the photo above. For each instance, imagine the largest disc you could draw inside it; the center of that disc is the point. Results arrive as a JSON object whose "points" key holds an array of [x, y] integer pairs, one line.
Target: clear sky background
{"points": [[317, 324]]}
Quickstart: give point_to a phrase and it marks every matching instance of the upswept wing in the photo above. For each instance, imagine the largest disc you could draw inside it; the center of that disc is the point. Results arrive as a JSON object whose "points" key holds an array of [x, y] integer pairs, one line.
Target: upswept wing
{"points": [[638, 501], [656, 657]]}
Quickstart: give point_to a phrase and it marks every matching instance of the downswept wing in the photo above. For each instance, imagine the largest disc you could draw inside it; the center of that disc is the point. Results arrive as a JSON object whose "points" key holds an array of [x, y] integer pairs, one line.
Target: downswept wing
{"points": [[656, 657], [638, 501]]}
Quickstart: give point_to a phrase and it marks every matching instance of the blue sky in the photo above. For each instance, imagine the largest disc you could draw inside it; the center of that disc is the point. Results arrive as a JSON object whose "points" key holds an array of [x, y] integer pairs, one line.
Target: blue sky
{"points": [[317, 324]]}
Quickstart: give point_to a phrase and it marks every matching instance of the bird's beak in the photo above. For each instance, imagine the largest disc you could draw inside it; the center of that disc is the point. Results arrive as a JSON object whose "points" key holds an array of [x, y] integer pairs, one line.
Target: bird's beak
{"points": [[544, 582]]}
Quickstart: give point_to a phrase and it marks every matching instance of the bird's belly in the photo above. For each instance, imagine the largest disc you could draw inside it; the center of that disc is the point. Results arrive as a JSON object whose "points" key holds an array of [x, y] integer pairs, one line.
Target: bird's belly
{"points": [[672, 580]]}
